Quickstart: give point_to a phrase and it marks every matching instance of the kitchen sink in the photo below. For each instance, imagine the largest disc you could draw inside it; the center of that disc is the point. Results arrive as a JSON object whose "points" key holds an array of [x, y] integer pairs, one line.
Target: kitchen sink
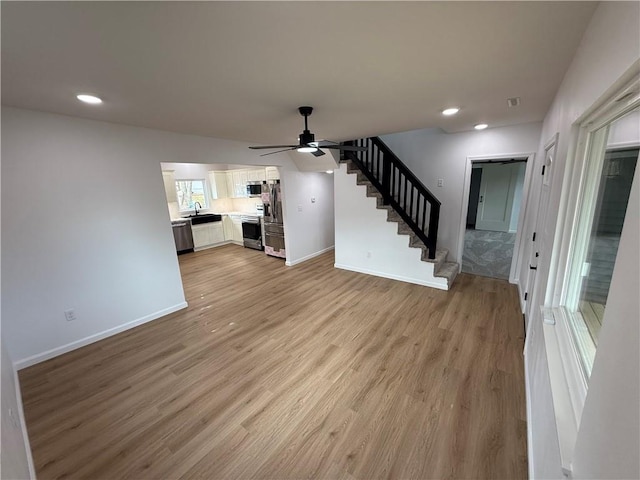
{"points": [[204, 218]]}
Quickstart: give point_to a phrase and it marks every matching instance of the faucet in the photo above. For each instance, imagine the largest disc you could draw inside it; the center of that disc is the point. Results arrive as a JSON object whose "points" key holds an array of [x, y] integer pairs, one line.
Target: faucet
{"points": [[196, 205]]}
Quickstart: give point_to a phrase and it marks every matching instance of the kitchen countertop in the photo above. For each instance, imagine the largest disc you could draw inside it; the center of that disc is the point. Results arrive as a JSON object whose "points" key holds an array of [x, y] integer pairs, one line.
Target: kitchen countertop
{"points": [[231, 214]]}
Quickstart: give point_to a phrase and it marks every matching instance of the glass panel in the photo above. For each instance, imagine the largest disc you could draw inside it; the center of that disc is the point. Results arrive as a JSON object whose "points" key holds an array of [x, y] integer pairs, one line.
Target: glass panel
{"points": [[611, 161], [611, 206], [190, 192]]}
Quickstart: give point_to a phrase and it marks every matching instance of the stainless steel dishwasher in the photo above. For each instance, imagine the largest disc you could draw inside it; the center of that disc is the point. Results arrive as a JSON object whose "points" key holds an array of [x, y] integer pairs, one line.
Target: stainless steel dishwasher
{"points": [[182, 235]]}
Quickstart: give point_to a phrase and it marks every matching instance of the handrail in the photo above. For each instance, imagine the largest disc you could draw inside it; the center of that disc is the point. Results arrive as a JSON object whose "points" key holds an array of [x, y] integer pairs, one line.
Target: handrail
{"points": [[400, 189]]}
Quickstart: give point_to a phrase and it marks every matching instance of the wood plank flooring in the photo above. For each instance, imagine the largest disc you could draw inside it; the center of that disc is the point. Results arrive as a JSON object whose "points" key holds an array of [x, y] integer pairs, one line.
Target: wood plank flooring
{"points": [[277, 372]]}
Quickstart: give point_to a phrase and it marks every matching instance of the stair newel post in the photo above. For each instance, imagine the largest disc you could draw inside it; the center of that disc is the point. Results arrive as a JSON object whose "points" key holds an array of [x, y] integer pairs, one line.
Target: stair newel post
{"points": [[386, 179]]}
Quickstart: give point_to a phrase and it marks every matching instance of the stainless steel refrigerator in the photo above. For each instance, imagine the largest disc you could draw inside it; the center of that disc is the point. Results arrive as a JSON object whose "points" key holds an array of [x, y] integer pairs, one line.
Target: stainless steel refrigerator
{"points": [[273, 226]]}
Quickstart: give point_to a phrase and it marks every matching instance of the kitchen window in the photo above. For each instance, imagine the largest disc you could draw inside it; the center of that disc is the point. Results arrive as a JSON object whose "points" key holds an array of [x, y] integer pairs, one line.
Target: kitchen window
{"points": [[189, 192]]}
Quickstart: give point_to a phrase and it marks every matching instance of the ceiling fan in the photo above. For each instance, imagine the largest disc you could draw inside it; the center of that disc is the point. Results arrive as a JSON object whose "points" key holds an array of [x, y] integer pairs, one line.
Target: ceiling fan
{"points": [[307, 143]]}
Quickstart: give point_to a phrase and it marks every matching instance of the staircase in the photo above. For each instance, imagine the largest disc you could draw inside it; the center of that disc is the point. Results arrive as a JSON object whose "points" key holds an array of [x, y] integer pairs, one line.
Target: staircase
{"points": [[407, 203]]}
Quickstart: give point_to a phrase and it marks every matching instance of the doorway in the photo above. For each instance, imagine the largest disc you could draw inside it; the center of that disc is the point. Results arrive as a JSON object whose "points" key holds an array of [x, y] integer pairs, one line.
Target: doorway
{"points": [[493, 212]]}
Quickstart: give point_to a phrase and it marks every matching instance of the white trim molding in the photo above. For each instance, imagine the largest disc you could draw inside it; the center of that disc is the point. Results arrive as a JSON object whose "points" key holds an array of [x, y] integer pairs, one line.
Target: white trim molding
{"points": [[417, 281], [530, 156], [309, 257], [54, 352]]}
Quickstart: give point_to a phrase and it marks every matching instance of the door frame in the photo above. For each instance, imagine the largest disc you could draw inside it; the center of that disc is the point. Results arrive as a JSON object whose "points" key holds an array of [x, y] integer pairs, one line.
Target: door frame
{"points": [[530, 156], [543, 187]]}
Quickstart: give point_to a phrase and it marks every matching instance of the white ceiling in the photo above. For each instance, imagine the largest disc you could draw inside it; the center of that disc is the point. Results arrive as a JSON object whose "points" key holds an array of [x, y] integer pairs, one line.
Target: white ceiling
{"points": [[239, 70]]}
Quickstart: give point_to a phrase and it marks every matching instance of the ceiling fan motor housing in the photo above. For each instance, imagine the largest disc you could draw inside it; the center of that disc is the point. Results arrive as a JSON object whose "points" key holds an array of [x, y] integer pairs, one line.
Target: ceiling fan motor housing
{"points": [[306, 137]]}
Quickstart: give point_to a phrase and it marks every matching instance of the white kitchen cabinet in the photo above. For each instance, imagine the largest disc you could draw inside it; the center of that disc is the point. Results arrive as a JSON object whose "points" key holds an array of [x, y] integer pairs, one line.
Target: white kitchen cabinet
{"points": [[201, 237], [272, 173], [257, 175], [217, 233], [218, 185], [169, 179], [240, 179], [233, 229], [207, 235], [228, 227], [231, 190]]}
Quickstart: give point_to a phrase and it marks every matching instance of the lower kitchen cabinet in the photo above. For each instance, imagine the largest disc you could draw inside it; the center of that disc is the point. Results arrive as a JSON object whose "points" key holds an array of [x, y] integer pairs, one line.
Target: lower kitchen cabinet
{"points": [[207, 235], [233, 228]]}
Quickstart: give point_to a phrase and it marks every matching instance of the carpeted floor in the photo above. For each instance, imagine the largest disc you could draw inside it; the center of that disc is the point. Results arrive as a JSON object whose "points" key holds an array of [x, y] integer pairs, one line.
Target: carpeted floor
{"points": [[488, 253]]}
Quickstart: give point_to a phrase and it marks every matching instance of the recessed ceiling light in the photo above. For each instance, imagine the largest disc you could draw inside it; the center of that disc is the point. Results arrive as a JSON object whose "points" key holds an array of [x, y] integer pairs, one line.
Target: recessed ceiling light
{"points": [[89, 99], [450, 111], [480, 126], [330, 172]]}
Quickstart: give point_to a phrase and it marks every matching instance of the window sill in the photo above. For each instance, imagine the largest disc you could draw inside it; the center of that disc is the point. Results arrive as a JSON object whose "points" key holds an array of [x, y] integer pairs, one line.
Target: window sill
{"points": [[568, 383]]}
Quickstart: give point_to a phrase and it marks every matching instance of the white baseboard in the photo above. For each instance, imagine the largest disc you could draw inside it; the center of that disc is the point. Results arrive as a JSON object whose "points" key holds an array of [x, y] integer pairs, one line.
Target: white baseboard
{"points": [[520, 296], [309, 257], [23, 425], [54, 352], [417, 281], [527, 391]]}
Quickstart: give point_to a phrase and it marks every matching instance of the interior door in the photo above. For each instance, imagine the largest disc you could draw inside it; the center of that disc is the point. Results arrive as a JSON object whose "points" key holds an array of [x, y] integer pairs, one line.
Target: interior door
{"points": [[536, 247], [497, 187]]}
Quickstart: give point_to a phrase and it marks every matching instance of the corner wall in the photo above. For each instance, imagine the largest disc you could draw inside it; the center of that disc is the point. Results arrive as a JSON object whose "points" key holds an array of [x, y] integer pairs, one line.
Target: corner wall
{"points": [[308, 214], [608, 437], [432, 154], [16, 458], [85, 226], [367, 243]]}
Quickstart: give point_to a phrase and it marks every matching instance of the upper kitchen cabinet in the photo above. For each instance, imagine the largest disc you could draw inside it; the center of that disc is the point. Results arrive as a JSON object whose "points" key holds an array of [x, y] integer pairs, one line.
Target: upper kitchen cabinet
{"points": [[218, 183], [257, 175], [272, 173], [170, 185], [240, 179]]}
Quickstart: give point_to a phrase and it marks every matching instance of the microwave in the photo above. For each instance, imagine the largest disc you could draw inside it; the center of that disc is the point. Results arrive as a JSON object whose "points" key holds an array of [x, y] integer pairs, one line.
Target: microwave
{"points": [[254, 189]]}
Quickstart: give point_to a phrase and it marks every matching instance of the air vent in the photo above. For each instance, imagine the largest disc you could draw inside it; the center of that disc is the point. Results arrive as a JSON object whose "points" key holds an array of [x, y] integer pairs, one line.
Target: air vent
{"points": [[513, 102]]}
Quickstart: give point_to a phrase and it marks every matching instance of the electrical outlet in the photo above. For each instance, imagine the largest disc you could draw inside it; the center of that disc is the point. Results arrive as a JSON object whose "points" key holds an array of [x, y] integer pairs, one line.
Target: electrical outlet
{"points": [[70, 315], [441, 182], [299, 208], [313, 199]]}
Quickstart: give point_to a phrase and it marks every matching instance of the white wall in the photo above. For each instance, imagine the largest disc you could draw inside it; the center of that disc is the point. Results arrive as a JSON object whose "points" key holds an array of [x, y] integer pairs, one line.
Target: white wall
{"points": [[608, 49], [432, 154], [16, 457], [85, 226], [309, 226], [517, 196], [366, 242]]}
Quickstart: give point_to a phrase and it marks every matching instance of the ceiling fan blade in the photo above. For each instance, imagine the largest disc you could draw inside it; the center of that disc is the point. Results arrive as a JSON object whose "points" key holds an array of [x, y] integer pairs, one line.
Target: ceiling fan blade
{"points": [[280, 151], [345, 148], [317, 153], [262, 147]]}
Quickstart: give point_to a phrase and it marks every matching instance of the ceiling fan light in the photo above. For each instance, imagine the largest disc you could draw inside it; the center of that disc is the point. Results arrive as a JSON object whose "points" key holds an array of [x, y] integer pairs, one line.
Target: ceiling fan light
{"points": [[307, 149]]}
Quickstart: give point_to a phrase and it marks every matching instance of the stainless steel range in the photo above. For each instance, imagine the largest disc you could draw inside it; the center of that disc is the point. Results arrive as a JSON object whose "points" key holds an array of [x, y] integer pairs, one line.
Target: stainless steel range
{"points": [[251, 232]]}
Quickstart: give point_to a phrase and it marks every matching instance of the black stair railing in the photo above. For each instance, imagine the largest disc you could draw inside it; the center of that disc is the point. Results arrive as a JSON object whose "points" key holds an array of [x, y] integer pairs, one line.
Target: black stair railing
{"points": [[400, 189]]}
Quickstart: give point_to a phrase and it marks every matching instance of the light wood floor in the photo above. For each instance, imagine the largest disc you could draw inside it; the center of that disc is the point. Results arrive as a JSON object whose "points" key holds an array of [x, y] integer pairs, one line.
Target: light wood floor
{"points": [[292, 372]]}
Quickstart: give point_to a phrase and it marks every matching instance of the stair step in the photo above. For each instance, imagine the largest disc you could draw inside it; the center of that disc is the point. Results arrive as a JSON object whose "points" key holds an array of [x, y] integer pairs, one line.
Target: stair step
{"points": [[373, 192], [441, 267], [439, 261], [448, 270]]}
